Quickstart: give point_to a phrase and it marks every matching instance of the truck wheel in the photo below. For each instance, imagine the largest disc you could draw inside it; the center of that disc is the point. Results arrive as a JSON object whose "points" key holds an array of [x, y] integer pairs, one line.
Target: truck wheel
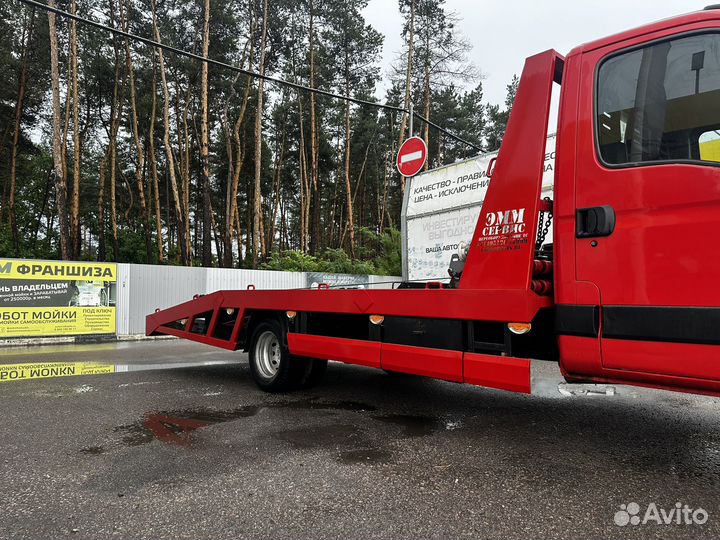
{"points": [[315, 373], [272, 366]]}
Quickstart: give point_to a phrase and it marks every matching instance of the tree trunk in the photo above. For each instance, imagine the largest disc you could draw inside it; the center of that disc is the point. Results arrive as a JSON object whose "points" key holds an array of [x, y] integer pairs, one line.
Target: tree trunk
{"points": [[111, 152], [238, 228], [227, 255], [113, 199], [77, 149], [279, 161], [383, 203], [314, 143], [102, 249], [185, 146], [168, 149], [153, 171], [60, 183], [115, 115], [240, 154], [257, 209], [205, 143], [66, 120], [348, 186], [248, 220], [427, 95], [304, 184], [215, 235], [19, 108], [139, 150], [41, 212], [235, 163], [198, 222]]}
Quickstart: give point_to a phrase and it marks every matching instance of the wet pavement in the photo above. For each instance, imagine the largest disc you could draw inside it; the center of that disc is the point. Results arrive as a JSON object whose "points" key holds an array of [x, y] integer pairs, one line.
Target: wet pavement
{"points": [[199, 452]]}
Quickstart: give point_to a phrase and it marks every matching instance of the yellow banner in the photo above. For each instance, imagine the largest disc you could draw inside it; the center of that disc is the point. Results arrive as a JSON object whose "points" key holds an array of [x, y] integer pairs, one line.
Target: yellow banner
{"points": [[57, 270], [54, 321], [56, 298], [23, 372]]}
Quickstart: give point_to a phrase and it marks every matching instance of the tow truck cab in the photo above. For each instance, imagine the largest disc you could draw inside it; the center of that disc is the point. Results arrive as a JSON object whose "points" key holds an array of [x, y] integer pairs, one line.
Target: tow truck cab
{"points": [[637, 206], [629, 293]]}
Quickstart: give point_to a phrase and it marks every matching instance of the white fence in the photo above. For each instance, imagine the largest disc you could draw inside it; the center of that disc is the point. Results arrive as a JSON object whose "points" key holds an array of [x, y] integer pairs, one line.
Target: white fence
{"points": [[143, 288]]}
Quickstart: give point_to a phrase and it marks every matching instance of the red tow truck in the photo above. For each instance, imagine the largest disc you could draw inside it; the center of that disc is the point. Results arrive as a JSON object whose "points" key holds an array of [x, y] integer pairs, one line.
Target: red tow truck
{"points": [[629, 291]]}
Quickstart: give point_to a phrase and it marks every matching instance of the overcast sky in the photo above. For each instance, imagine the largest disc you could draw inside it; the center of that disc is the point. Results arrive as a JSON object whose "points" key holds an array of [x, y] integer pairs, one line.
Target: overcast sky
{"points": [[505, 32]]}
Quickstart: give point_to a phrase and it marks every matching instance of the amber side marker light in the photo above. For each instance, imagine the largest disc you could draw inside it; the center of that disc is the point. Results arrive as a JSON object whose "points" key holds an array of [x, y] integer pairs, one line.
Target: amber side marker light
{"points": [[377, 319], [519, 328], [291, 314]]}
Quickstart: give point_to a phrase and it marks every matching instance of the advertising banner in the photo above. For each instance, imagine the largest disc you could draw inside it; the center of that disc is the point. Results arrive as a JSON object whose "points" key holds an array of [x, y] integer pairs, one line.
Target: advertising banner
{"points": [[314, 279], [441, 210], [56, 298]]}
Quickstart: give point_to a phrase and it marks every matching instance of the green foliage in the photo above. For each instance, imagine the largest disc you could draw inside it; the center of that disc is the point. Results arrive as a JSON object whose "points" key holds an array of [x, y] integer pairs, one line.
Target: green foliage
{"points": [[132, 247], [291, 261], [379, 254], [497, 118], [384, 250], [6, 247]]}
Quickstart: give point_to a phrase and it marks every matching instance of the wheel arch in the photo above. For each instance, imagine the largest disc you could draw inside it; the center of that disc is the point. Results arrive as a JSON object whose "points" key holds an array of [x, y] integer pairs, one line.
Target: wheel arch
{"points": [[253, 318]]}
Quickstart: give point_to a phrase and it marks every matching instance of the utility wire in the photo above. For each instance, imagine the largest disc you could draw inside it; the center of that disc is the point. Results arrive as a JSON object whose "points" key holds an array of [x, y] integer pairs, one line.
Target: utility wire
{"points": [[236, 69]]}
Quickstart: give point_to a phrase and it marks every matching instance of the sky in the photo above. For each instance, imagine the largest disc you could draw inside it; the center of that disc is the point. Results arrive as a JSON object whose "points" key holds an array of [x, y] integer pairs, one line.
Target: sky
{"points": [[503, 33]]}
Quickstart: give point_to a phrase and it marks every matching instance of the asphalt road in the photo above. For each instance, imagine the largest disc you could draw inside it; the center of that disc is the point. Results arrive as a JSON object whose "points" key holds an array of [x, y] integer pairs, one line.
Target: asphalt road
{"points": [[199, 452]]}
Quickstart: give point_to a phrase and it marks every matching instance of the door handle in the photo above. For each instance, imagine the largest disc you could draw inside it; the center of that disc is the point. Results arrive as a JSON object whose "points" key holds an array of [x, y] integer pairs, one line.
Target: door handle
{"points": [[595, 221]]}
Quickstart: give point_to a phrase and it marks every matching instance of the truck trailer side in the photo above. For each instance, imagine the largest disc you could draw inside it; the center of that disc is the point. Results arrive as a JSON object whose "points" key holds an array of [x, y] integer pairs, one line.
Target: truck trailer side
{"points": [[628, 293]]}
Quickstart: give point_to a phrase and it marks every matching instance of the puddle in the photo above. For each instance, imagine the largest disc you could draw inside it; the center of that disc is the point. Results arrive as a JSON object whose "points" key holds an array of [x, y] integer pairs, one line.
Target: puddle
{"points": [[52, 370], [567, 389], [413, 426], [321, 436], [176, 427], [370, 456], [123, 368], [312, 404]]}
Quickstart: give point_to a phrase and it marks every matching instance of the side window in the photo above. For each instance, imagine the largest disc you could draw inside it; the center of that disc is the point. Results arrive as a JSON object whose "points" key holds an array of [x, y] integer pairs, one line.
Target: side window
{"points": [[661, 103]]}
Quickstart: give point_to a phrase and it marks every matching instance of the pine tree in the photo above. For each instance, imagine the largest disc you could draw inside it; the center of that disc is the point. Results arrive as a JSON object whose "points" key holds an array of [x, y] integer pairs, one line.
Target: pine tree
{"points": [[498, 118]]}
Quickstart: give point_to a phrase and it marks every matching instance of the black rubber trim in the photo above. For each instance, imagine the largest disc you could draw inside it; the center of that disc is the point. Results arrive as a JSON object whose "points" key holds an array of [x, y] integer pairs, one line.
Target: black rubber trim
{"points": [[582, 321], [700, 325]]}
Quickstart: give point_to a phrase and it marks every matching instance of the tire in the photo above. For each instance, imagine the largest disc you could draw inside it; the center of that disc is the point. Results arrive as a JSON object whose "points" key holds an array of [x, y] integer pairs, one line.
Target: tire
{"points": [[315, 373], [272, 366]]}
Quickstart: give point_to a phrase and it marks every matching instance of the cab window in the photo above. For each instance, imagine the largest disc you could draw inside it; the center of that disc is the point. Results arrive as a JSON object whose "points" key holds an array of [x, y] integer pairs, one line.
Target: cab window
{"points": [[661, 103]]}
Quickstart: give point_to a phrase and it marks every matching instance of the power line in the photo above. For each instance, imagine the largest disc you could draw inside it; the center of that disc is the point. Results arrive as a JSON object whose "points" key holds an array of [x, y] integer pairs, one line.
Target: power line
{"points": [[237, 69], [446, 132]]}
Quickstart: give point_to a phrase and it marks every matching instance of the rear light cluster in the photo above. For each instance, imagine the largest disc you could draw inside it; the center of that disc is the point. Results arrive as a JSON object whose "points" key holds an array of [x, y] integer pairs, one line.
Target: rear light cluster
{"points": [[542, 278]]}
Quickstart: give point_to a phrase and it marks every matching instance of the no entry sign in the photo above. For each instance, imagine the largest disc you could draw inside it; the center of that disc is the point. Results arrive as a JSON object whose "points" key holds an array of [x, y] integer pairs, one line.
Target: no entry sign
{"points": [[412, 156]]}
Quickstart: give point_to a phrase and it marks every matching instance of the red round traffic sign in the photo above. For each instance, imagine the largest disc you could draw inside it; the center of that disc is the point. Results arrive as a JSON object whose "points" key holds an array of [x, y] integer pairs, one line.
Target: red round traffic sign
{"points": [[412, 156]]}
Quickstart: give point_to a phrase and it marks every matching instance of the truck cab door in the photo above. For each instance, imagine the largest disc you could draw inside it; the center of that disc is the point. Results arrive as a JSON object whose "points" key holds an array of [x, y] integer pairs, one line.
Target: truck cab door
{"points": [[648, 203]]}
